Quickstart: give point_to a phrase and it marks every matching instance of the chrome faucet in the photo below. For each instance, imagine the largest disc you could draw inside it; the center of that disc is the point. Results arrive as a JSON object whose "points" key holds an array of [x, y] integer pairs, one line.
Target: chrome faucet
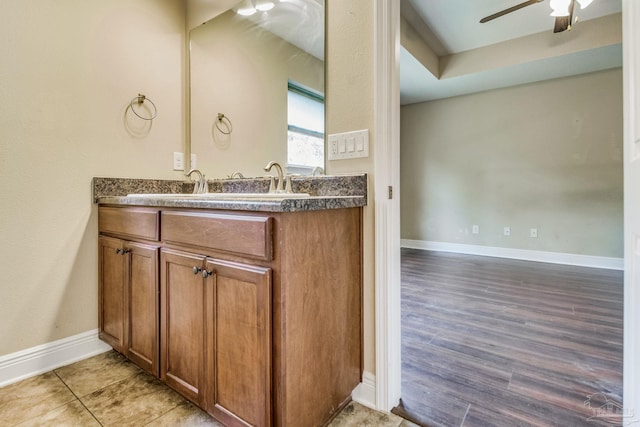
{"points": [[201, 186], [280, 188]]}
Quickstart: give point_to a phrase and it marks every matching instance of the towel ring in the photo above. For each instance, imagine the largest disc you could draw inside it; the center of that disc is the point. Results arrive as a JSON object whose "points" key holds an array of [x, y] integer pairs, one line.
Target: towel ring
{"points": [[139, 100], [224, 120]]}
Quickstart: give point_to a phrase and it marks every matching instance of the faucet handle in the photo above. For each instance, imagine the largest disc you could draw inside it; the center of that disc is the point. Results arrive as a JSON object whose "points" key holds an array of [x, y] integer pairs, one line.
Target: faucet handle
{"points": [[288, 188], [272, 184], [204, 185]]}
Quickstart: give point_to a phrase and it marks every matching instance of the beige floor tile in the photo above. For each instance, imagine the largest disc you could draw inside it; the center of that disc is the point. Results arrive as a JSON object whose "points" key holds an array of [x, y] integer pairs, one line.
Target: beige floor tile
{"points": [[185, 415], [356, 415], [134, 401], [70, 415], [32, 398], [97, 372]]}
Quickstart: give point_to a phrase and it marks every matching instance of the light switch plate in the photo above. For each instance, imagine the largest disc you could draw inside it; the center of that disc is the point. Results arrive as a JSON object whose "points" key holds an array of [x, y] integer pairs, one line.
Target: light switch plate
{"points": [[349, 145], [178, 161]]}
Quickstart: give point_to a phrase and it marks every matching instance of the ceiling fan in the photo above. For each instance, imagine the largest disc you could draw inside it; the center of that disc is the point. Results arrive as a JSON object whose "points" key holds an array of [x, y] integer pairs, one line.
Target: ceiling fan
{"points": [[562, 10]]}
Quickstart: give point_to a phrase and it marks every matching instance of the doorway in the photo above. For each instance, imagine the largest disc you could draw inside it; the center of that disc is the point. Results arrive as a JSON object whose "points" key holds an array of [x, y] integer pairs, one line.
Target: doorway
{"points": [[387, 289]]}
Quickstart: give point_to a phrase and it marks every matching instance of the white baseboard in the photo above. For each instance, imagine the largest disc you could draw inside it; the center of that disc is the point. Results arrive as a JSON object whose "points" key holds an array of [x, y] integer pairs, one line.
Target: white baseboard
{"points": [[365, 392], [522, 254], [46, 357]]}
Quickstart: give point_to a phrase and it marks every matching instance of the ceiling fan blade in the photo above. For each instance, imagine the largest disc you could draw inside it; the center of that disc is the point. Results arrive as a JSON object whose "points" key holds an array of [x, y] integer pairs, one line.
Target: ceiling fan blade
{"points": [[564, 22], [509, 10]]}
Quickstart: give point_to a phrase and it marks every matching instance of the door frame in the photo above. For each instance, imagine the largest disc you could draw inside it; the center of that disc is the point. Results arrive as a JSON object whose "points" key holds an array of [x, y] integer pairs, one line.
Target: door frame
{"points": [[631, 91], [387, 202]]}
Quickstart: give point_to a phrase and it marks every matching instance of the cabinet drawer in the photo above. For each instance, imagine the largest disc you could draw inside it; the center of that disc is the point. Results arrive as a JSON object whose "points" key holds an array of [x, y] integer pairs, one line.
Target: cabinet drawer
{"points": [[139, 223], [248, 235]]}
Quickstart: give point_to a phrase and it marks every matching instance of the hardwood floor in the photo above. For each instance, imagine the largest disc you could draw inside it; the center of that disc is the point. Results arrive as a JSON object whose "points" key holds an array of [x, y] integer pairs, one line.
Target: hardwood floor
{"points": [[496, 342]]}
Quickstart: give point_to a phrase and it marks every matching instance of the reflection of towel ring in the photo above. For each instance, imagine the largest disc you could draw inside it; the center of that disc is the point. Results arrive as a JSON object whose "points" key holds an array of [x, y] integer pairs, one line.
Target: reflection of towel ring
{"points": [[139, 100], [224, 120]]}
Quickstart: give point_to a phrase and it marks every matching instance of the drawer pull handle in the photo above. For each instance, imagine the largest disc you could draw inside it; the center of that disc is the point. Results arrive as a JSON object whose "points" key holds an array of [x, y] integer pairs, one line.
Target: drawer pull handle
{"points": [[196, 270], [206, 273]]}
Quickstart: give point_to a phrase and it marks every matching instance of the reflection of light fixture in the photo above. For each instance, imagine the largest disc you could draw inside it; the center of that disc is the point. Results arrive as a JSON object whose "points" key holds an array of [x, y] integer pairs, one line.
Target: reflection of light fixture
{"points": [[249, 7], [246, 8], [264, 5], [561, 7]]}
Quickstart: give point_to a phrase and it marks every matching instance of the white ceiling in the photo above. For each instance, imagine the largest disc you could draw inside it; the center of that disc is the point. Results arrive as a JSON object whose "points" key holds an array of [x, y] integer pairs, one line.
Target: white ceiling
{"points": [[300, 22], [452, 31]]}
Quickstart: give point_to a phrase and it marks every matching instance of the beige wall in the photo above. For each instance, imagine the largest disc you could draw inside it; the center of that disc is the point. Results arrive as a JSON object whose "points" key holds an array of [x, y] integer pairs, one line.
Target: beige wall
{"points": [[201, 11], [68, 71], [242, 71], [545, 155], [350, 103]]}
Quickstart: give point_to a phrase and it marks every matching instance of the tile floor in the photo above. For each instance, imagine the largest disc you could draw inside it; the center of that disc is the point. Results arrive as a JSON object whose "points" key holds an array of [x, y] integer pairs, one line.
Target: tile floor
{"points": [[108, 390]]}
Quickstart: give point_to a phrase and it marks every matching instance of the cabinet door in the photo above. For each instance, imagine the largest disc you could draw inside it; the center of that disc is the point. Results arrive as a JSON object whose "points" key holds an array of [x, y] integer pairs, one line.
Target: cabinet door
{"points": [[182, 314], [111, 292], [143, 311], [239, 344]]}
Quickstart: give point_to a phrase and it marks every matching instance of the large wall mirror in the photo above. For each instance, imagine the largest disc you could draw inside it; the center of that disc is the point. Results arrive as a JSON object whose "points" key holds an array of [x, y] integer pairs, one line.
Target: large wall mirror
{"points": [[257, 88]]}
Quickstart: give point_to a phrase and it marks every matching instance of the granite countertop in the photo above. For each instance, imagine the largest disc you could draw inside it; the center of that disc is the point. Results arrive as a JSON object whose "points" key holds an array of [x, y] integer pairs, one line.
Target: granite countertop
{"points": [[326, 192]]}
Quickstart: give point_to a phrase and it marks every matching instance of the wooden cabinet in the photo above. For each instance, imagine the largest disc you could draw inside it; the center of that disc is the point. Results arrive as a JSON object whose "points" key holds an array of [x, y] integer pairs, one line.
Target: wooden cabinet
{"points": [[183, 315], [260, 319], [128, 284], [216, 335], [111, 292], [239, 343], [142, 311], [128, 300]]}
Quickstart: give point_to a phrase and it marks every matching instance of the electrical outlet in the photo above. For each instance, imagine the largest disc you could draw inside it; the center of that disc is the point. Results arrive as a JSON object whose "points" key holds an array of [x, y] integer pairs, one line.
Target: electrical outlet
{"points": [[507, 231], [178, 161], [333, 146], [533, 232], [475, 229]]}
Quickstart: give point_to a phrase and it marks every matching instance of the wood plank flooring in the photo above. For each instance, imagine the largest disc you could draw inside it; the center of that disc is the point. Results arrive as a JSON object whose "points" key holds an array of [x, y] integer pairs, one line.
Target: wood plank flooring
{"points": [[496, 342]]}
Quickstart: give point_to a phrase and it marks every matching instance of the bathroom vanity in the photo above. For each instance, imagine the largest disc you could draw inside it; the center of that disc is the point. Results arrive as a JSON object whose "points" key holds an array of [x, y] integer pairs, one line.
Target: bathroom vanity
{"points": [[251, 309]]}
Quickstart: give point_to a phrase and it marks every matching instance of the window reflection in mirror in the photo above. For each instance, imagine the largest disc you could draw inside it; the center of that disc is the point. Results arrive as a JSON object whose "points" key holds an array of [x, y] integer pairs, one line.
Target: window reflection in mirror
{"points": [[241, 67], [305, 117]]}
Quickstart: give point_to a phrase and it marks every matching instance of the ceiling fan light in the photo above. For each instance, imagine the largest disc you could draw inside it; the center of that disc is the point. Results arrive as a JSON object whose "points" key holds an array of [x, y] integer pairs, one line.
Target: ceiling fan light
{"points": [[584, 3], [246, 8], [264, 5]]}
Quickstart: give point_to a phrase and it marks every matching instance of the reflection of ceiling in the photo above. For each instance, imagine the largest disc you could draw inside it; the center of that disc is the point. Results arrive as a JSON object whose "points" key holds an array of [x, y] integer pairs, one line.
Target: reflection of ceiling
{"points": [[447, 52], [300, 22]]}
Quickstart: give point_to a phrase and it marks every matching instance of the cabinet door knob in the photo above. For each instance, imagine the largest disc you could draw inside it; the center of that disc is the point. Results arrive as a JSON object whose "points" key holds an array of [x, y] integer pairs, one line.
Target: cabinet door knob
{"points": [[206, 273], [125, 251], [118, 250], [196, 270]]}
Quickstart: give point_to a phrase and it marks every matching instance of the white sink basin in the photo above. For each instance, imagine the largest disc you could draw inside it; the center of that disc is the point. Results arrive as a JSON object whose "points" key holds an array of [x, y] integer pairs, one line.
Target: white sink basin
{"points": [[226, 196]]}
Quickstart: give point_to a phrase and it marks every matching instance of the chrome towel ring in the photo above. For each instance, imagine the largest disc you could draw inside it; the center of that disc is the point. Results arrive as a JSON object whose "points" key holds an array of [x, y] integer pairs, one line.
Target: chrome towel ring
{"points": [[225, 122], [140, 100]]}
